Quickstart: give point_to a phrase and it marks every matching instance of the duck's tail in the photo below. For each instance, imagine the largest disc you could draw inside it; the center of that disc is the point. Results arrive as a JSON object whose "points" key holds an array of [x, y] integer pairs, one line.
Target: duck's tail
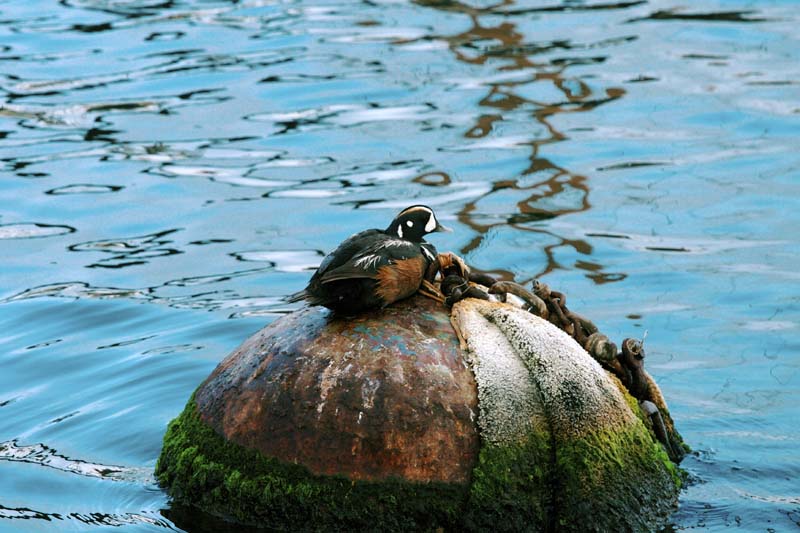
{"points": [[297, 297]]}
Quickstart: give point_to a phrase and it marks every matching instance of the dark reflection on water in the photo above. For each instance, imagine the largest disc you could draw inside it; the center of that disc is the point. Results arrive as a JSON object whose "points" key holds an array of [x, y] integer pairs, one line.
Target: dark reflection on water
{"points": [[542, 182], [190, 519], [718, 16], [174, 169], [129, 252]]}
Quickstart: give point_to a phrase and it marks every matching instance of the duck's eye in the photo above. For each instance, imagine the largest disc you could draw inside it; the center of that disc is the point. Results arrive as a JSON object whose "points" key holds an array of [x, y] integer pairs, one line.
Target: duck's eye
{"points": [[409, 223]]}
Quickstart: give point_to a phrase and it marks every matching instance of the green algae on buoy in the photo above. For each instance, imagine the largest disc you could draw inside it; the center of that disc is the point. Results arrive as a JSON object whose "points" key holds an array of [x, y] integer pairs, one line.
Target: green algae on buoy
{"points": [[394, 420]]}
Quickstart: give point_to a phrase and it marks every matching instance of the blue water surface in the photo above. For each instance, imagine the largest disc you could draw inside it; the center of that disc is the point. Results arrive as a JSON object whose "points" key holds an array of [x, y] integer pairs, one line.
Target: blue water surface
{"points": [[171, 170]]}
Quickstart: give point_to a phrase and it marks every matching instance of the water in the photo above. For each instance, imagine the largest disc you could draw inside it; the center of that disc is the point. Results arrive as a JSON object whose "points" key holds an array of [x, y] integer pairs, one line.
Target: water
{"points": [[171, 170]]}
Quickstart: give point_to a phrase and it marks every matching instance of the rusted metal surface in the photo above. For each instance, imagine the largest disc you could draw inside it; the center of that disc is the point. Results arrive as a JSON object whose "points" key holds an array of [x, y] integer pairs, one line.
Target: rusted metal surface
{"points": [[383, 394]]}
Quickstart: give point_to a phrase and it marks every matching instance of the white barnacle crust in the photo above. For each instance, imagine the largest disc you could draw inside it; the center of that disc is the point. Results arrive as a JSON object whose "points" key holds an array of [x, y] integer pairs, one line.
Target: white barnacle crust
{"points": [[508, 401], [400, 231], [526, 367]]}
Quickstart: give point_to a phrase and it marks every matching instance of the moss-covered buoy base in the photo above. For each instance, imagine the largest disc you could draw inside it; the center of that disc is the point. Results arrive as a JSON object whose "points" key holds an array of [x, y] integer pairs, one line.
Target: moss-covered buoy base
{"points": [[512, 487], [200, 468]]}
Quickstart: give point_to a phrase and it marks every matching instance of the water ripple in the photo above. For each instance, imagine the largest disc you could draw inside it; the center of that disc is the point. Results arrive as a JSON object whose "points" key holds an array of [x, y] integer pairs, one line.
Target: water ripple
{"points": [[211, 300], [43, 455], [25, 230], [86, 519], [285, 260], [129, 251], [84, 188], [712, 16]]}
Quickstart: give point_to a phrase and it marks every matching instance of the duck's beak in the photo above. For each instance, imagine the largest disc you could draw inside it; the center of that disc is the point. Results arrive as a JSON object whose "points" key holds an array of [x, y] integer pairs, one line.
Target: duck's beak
{"points": [[440, 227]]}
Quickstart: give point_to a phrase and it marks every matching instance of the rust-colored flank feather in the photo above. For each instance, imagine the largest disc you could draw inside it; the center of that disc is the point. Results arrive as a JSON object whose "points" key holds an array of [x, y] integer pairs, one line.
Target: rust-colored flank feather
{"points": [[400, 280]]}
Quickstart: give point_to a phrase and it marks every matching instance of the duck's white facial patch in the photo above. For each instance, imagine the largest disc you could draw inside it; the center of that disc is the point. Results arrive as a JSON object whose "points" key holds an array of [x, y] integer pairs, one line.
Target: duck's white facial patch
{"points": [[400, 231], [431, 225], [409, 223]]}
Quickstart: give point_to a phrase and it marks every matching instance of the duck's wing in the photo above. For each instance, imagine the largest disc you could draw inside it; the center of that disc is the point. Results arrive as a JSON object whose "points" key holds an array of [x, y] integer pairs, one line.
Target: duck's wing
{"points": [[369, 259], [347, 249], [338, 265]]}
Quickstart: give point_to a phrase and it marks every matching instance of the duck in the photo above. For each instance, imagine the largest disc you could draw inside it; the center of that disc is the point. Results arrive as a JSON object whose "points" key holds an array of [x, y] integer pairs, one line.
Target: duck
{"points": [[375, 268]]}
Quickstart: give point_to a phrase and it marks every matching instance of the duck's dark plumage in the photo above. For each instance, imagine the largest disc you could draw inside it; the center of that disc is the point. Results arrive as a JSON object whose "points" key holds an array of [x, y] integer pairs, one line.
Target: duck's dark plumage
{"points": [[375, 268]]}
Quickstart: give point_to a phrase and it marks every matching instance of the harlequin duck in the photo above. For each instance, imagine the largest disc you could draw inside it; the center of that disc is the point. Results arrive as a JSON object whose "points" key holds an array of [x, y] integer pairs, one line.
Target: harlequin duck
{"points": [[375, 268]]}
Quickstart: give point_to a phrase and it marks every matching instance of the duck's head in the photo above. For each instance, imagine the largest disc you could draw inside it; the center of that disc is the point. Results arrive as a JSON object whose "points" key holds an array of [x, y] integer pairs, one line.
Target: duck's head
{"points": [[413, 223]]}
